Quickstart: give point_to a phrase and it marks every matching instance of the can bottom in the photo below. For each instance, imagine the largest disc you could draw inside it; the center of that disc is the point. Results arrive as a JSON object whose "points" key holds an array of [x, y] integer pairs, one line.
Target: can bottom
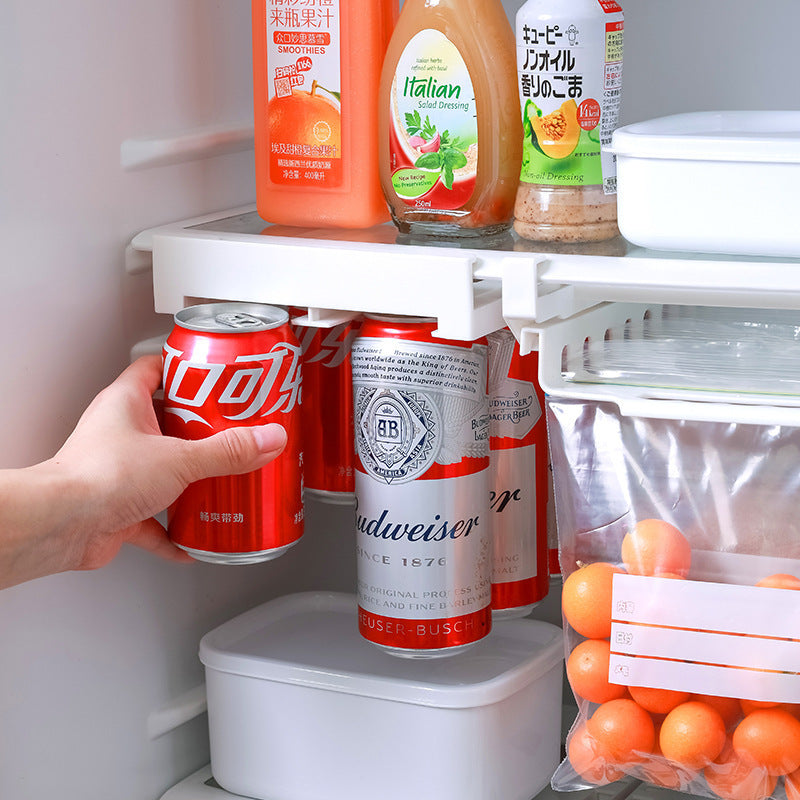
{"points": [[441, 652], [334, 498], [254, 557], [514, 613]]}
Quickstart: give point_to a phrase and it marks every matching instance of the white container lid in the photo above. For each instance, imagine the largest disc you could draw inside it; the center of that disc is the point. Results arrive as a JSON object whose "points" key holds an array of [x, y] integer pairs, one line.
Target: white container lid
{"points": [[754, 136], [312, 639]]}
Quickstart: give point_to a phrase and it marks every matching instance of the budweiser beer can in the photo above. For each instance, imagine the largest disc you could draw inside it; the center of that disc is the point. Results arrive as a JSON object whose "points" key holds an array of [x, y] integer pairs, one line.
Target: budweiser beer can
{"points": [[226, 365], [519, 478], [327, 409], [422, 488]]}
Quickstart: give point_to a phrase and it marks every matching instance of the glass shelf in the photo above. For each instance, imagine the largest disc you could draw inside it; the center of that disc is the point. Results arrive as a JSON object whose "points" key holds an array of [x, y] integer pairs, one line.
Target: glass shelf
{"points": [[470, 287]]}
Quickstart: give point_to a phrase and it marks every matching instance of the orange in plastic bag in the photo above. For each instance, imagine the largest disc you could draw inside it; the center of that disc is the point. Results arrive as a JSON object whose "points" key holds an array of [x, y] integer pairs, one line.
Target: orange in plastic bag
{"points": [[734, 777]]}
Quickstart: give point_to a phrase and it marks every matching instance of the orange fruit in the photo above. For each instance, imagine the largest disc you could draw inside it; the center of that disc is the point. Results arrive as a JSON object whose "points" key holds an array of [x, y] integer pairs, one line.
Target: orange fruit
{"points": [[657, 701], [792, 785], [748, 706], [589, 759], [780, 581], [771, 738], [792, 708], [586, 599], [587, 672], [654, 547], [624, 730], [727, 707], [734, 777], [306, 118], [692, 734], [657, 769]]}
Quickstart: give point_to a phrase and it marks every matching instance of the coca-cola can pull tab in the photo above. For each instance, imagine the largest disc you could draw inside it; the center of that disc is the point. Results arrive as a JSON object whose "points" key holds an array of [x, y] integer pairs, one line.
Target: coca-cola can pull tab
{"points": [[237, 320], [231, 318]]}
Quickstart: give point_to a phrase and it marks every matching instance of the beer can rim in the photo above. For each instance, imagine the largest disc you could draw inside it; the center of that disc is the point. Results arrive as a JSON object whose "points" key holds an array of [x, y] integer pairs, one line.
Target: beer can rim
{"points": [[210, 317]]}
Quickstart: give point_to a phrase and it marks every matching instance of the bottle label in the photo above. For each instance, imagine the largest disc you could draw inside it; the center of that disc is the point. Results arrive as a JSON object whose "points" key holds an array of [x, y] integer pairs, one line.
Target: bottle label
{"points": [[570, 80], [433, 139], [304, 118]]}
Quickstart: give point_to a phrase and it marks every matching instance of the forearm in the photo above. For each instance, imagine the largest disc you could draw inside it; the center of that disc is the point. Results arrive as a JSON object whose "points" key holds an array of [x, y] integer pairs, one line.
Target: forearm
{"points": [[40, 515]]}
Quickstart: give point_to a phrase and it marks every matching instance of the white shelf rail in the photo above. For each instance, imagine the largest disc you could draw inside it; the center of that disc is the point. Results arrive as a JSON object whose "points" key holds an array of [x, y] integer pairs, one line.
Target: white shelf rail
{"points": [[551, 300]]}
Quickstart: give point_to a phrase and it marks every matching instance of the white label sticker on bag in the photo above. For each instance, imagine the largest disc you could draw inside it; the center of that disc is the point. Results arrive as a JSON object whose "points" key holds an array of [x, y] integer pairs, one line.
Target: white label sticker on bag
{"points": [[706, 638]]}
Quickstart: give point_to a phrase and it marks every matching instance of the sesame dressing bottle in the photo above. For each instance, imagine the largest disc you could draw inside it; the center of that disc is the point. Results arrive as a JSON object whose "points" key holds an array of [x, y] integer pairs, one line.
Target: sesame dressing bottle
{"points": [[569, 62], [450, 135]]}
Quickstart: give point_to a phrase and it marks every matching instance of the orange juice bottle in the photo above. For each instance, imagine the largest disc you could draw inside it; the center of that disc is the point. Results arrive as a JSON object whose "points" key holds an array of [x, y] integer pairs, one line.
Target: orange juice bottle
{"points": [[450, 126], [316, 69]]}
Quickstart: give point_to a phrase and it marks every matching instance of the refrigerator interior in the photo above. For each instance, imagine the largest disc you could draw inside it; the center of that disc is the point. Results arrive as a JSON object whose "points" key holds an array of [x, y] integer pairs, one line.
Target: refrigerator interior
{"points": [[119, 119]]}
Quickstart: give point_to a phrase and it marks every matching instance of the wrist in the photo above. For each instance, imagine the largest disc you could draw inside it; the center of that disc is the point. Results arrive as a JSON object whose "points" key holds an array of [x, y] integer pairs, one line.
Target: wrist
{"points": [[42, 513]]}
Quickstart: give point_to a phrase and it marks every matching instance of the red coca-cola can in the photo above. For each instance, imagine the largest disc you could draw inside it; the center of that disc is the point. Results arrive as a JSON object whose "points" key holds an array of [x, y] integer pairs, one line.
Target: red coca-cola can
{"points": [[327, 409], [227, 365], [519, 478], [422, 488]]}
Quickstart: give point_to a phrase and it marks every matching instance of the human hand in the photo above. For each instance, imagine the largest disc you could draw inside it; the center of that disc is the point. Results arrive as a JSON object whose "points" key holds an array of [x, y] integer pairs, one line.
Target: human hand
{"points": [[111, 476]]}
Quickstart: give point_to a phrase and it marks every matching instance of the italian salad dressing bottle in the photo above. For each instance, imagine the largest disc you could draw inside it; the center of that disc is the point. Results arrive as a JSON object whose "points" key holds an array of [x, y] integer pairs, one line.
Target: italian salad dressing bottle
{"points": [[569, 62], [450, 135]]}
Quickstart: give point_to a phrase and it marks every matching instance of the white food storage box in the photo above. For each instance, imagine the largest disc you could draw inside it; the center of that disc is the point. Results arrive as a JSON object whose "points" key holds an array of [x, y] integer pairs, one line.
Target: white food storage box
{"points": [[301, 707], [711, 182]]}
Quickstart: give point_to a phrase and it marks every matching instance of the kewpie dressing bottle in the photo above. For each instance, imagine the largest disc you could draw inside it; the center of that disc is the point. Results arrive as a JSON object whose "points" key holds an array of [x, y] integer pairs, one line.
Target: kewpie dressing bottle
{"points": [[316, 70], [569, 58], [450, 129]]}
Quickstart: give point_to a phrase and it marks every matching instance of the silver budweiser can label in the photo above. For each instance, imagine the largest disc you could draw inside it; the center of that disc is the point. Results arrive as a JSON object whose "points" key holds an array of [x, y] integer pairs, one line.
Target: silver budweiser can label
{"points": [[422, 488], [519, 478], [227, 365]]}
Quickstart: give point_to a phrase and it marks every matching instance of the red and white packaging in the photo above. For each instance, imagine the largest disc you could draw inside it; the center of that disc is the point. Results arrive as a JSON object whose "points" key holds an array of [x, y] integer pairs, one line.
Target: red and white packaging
{"points": [[422, 488], [327, 409], [520, 474], [226, 365]]}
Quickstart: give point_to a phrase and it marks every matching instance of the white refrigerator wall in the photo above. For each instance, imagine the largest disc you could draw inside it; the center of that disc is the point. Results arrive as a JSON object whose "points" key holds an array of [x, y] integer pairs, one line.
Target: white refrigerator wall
{"points": [[94, 666]]}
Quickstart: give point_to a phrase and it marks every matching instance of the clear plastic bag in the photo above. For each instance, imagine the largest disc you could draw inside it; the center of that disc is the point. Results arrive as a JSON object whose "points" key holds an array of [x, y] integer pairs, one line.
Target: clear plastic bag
{"points": [[679, 543]]}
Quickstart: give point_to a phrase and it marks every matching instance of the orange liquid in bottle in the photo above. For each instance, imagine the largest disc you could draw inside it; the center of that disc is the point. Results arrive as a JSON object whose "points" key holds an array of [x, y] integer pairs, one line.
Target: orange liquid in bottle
{"points": [[450, 129], [316, 70]]}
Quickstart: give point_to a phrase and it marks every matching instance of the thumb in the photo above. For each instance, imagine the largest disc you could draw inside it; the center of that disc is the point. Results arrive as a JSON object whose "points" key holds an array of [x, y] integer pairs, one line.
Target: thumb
{"points": [[235, 451]]}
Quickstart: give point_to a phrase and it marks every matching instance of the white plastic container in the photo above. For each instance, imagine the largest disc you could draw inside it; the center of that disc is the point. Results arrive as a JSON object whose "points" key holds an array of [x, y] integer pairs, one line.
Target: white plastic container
{"points": [[711, 182], [301, 707]]}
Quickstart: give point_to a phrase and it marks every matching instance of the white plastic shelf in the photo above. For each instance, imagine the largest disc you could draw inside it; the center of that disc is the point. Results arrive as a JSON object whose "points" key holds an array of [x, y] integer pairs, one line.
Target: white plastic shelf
{"points": [[553, 297], [560, 342], [470, 289], [240, 257], [202, 786]]}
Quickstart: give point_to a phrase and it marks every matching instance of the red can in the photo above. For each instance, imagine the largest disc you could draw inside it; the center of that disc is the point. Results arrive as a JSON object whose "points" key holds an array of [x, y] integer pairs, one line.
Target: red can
{"points": [[520, 477], [422, 488], [226, 365], [328, 409]]}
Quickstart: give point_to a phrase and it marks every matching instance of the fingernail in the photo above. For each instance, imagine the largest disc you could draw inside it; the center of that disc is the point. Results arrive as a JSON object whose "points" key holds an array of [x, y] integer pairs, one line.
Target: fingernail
{"points": [[270, 437]]}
